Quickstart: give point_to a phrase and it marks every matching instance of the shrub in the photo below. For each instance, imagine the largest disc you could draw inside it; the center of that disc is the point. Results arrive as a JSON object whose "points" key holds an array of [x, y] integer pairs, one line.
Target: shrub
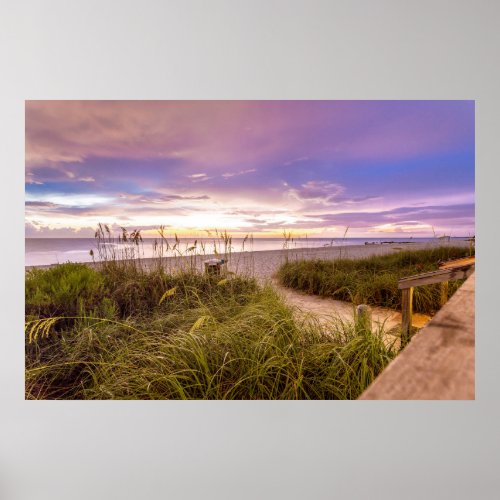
{"points": [[66, 289]]}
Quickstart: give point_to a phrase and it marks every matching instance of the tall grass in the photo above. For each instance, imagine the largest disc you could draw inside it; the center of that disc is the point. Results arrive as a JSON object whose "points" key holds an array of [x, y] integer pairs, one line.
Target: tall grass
{"points": [[216, 347], [168, 253], [372, 280], [120, 331]]}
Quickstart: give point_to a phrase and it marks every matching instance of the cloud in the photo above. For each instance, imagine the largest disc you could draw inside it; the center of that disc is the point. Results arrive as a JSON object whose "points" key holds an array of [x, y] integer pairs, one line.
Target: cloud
{"points": [[317, 191], [159, 197], [430, 215], [35, 229], [41, 204], [170, 160], [359, 199], [228, 175], [296, 160], [73, 199], [225, 133], [199, 177]]}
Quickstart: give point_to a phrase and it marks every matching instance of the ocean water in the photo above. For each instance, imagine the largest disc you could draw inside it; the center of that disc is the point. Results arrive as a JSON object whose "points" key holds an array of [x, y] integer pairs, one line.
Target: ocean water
{"points": [[44, 251]]}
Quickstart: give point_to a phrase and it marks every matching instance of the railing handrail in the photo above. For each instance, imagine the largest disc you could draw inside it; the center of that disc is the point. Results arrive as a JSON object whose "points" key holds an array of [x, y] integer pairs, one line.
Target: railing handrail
{"points": [[453, 273], [448, 271]]}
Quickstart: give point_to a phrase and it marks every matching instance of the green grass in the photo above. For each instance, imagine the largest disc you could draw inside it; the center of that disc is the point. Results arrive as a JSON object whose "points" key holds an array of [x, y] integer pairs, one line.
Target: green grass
{"points": [[66, 289], [372, 280], [118, 332]]}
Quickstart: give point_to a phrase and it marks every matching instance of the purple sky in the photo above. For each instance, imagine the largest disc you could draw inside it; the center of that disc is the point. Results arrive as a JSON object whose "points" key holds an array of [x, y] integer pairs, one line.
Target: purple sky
{"points": [[261, 167]]}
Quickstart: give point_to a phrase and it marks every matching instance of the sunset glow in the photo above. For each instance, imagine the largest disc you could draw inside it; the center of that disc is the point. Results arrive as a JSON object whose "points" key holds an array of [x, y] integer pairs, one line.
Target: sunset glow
{"points": [[404, 168]]}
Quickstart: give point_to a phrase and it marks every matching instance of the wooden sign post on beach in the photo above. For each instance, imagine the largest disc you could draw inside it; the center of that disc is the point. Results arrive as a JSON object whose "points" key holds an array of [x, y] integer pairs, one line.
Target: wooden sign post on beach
{"points": [[449, 271]]}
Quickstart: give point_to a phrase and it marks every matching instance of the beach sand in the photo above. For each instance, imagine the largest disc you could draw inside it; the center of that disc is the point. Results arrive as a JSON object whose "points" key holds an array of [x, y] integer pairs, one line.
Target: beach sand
{"points": [[264, 264]]}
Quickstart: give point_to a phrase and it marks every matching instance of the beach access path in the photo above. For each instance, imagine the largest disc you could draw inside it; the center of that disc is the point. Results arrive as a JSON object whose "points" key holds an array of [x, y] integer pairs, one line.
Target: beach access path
{"points": [[264, 265]]}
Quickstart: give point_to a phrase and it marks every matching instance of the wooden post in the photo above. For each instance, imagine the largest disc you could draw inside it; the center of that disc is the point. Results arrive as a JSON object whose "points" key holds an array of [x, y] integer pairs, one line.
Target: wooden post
{"points": [[212, 267], [444, 293], [363, 318], [406, 313]]}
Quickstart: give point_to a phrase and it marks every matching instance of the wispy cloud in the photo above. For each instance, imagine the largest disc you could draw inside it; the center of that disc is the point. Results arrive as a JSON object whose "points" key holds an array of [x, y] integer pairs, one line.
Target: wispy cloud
{"points": [[317, 191], [227, 175], [296, 160]]}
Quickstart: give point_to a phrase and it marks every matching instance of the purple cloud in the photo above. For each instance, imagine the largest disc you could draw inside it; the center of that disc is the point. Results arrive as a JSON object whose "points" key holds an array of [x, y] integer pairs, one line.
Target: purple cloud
{"points": [[251, 165]]}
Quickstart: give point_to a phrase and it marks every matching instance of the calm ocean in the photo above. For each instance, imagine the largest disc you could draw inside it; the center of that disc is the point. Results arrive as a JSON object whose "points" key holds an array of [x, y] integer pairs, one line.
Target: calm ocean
{"points": [[43, 251]]}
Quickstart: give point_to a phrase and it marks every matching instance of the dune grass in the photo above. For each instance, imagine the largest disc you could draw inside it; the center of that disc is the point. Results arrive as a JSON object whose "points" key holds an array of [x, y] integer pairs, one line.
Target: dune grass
{"points": [[117, 331], [372, 280]]}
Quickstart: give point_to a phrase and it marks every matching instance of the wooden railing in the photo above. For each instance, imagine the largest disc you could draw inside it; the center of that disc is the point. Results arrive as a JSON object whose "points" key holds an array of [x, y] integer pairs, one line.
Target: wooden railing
{"points": [[439, 362], [449, 271]]}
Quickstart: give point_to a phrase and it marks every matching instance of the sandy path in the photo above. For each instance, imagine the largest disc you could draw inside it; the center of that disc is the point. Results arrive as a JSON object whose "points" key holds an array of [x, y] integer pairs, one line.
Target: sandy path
{"points": [[326, 307], [265, 264]]}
